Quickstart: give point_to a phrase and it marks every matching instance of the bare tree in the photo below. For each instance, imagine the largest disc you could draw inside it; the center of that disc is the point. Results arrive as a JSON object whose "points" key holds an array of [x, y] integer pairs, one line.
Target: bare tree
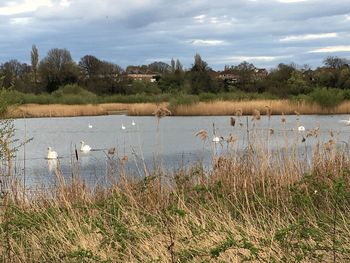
{"points": [[58, 68], [34, 56]]}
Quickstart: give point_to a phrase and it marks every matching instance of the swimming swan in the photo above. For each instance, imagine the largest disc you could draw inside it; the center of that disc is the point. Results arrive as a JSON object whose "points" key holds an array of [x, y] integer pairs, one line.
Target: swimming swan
{"points": [[217, 139], [51, 154], [301, 129], [346, 122], [123, 127], [84, 147]]}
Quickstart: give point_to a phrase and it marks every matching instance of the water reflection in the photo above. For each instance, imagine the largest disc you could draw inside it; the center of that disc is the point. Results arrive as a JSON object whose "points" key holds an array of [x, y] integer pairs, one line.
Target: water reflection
{"points": [[52, 165]]}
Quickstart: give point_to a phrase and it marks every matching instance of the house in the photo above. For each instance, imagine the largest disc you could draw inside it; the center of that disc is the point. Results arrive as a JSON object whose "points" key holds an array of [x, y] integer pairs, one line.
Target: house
{"points": [[144, 77], [229, 75], [260, 73]]}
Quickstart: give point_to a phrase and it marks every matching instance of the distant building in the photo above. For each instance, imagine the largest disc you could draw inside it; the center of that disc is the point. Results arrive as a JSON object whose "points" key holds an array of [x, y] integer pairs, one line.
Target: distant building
{"points": [[234, 75], [260, 73], [144, 77]]}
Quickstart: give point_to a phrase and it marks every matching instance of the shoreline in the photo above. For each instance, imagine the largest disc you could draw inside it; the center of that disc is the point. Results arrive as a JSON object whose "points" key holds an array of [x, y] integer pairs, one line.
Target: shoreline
{"points": [[215, 108]]}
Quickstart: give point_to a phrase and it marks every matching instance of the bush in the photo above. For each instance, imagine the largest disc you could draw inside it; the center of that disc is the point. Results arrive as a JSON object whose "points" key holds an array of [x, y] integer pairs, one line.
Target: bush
{"points": [[73, 94], [327, 98]]}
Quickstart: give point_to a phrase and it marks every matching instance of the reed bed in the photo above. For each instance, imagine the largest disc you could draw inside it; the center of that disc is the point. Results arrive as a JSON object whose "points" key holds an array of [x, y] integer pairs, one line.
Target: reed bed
{"points": [[216, 108], [247, 107], [250, 206]]}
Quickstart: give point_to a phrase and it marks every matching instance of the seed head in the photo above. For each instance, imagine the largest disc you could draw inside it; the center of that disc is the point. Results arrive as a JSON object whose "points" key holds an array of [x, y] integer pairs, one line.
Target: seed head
{"points": [[256, 115], [161, 112], [232, 121], [239, 112], [203, 134]]}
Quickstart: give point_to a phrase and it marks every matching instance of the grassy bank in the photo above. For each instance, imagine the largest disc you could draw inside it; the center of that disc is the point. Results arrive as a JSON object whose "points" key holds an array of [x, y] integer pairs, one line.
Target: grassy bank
{"points": [[251, 207], [193, 109]]}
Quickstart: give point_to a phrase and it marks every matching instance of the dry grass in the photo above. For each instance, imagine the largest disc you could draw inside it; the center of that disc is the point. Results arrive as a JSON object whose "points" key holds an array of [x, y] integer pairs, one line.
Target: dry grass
{"points": [[200, 109], [251, 206], [276, 107]]}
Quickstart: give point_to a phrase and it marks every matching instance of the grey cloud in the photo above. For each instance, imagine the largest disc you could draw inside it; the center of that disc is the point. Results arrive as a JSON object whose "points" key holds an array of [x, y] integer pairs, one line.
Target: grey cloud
{"points": [[133, 32]]}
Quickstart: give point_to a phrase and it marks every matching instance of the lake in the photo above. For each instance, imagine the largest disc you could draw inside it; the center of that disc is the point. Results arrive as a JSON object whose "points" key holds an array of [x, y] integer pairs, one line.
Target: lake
{"points": [[172, 139]]}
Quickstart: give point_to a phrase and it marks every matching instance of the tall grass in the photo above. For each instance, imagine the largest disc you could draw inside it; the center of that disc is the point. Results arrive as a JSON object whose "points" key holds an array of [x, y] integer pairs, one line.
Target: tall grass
{"points": [[216, 108], [250, 206]]}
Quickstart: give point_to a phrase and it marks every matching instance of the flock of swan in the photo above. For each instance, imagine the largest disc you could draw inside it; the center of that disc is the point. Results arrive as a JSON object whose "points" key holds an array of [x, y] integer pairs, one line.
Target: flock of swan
{"points": [[84, 148]]}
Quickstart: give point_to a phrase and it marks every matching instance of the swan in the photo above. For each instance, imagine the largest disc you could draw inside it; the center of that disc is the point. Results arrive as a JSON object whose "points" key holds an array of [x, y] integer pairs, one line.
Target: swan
{"points": [[51, 154], [90, 126], [133, 123], [346, 122], [217, 139], [84, 147], [123, 127], [301, 129]]}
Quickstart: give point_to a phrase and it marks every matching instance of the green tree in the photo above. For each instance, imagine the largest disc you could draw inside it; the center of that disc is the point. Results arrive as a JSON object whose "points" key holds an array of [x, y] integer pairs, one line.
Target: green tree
{"points": [[297, 84]]}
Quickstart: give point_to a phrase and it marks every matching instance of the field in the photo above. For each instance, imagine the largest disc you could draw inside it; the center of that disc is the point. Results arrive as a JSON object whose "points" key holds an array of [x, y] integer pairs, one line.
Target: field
{"points": [[251, 206]]}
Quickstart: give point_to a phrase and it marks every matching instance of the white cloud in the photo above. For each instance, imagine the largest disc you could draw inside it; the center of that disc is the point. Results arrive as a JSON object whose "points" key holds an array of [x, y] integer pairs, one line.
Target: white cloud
{"points": [[20, 20], [331, 49], [65, 3], [208, 42], [254, 58], [14, 8], [291, 1], [308, 37], [200, 18]]}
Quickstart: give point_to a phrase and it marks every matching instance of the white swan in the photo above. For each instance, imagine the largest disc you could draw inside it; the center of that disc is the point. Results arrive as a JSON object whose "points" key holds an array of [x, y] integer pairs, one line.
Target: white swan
{"points": [[84, 147], [51, 154], [123, 127], [90, 126], [301, 129], [133, 123], [217, 139], [346, 122]]}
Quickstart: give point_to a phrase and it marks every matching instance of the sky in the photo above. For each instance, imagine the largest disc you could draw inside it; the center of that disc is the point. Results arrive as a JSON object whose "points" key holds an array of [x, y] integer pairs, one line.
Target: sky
{"points": [[135, 32]]}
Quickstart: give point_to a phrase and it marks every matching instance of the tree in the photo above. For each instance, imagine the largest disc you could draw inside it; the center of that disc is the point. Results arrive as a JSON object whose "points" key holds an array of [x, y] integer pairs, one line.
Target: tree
{"points": [[245, 72], [178, 66], [34, 57], [159, 67], [101, 76], [58, 68], [172, 64], [15, 74], [335, 62], [199, 65]]}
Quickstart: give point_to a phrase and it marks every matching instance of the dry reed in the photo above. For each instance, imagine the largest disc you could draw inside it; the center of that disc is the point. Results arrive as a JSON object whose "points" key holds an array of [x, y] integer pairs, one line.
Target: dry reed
{"points": [[216, 108], [243, 209]]}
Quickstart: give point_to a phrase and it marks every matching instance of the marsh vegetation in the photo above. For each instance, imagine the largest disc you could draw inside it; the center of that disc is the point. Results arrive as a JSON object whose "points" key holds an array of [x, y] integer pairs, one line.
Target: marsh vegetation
{"points": [[255, 205]]}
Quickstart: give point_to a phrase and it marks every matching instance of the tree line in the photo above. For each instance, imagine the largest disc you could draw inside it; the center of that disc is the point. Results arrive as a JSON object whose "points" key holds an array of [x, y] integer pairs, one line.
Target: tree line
{"points": [[101, 77]]}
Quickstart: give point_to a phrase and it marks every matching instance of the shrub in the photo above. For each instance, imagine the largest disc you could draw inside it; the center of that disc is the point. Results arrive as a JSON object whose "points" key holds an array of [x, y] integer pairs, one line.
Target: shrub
{"points": [[327, 98]]}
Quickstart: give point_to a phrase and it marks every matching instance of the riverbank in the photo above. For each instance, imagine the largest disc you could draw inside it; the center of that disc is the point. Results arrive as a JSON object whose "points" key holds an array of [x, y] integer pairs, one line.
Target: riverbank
{"points": [[249, 207], [216, 108]]}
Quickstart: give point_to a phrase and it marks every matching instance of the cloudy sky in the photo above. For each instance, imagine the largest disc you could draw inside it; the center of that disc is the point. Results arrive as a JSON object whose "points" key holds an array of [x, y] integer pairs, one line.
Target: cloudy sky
{"points": [[225, 32]]}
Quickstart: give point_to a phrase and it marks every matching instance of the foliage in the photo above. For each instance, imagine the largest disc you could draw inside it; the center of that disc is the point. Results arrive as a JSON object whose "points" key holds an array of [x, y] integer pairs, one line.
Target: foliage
{"points": [[327, 98], [101, 77]]}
